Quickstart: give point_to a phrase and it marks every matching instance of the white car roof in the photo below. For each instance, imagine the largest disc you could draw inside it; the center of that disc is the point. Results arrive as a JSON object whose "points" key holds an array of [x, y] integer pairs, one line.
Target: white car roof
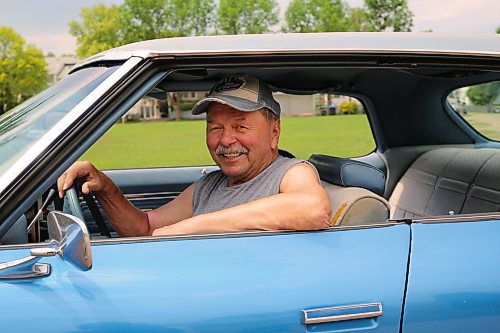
{"points": [[341, 42]]}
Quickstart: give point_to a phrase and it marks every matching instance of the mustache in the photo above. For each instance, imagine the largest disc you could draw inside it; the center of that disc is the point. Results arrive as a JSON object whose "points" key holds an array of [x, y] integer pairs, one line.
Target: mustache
{"points": [[232, 149]]}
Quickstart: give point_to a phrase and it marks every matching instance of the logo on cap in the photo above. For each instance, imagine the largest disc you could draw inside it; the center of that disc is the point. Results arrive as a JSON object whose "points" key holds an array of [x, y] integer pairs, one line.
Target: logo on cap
{"points": [[230, 83]]}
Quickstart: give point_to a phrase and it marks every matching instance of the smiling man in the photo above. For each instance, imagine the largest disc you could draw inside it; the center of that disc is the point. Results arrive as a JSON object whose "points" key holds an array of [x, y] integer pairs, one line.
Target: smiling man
{"points": [[255, 188]]}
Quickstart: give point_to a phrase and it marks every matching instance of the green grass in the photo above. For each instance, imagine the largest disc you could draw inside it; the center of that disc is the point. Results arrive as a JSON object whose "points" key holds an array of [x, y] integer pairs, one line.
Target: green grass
{"points": [[487, 124], [171, 143]]}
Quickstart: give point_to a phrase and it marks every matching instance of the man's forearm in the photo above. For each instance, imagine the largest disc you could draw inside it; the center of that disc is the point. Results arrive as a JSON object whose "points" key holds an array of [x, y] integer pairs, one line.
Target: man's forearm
{"points": [[125, 217], [285, 211]]}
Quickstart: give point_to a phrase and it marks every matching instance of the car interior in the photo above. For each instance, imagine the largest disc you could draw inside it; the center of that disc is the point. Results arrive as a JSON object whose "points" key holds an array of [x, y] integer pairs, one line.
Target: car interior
{"points": [[428, 160]]}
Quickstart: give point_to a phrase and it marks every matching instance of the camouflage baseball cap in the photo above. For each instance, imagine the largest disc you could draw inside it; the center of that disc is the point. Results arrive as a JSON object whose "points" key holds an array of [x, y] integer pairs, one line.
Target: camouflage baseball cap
{"points": [[242, 92]]}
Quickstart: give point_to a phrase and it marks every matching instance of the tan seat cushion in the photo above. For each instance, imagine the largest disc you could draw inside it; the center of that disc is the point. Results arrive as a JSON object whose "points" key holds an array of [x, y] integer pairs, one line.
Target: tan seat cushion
{"points": [[356, 206]]}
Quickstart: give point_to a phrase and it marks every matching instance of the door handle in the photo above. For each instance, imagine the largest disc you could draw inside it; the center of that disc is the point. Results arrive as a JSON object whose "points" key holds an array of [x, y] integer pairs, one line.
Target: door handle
{"points": [[341, 313]]}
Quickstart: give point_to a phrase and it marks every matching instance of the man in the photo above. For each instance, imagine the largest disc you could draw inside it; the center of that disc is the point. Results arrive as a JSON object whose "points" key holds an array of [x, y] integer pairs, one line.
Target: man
{"points": [[255, 189]]}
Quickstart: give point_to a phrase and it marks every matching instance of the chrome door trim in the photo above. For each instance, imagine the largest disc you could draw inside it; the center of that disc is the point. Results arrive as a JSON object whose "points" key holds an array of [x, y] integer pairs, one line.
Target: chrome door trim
{"points": [[48, 138], [341, 313], [24, 268]]}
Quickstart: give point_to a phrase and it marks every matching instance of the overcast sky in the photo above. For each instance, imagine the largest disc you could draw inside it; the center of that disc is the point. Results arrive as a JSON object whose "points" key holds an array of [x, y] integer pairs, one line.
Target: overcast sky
{"points": [[45, 23]]}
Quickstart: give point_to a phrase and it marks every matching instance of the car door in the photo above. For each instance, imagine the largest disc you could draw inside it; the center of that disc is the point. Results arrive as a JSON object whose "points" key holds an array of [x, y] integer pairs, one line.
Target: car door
{"points": [[454, 276], [248, 282]]}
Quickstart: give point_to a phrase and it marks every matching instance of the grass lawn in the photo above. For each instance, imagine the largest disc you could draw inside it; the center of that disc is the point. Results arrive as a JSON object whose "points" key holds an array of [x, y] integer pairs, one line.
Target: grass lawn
{"points": [[171, 143], [485, 123]]}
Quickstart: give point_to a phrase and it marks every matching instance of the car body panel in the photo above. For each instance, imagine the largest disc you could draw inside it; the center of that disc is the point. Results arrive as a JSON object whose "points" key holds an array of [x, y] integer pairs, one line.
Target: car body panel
{"points": [[249, 283], [454, 277]]}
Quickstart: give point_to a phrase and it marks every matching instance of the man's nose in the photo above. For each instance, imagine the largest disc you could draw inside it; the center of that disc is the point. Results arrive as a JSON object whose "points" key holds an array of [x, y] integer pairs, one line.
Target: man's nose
{"points": [[227, 138]]}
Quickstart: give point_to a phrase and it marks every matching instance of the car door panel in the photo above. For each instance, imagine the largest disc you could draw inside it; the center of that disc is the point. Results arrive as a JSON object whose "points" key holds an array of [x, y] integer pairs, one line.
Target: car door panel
{"points": [[152, 187], [237, 284], [454, 279]]}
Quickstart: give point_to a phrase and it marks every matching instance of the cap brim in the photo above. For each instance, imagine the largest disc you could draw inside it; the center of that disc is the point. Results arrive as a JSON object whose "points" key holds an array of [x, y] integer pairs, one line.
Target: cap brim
{"points": [[234, 102]]}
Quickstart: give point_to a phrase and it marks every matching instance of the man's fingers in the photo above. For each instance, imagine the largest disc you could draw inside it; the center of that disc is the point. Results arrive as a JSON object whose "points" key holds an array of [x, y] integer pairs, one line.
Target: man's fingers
{"points": [[64, 183], [79, 169]]}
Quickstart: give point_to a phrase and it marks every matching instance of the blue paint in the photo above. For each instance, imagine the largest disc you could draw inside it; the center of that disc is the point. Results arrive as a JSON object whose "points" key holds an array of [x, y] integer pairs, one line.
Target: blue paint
{"points": [[233, 284], [454, 282]]}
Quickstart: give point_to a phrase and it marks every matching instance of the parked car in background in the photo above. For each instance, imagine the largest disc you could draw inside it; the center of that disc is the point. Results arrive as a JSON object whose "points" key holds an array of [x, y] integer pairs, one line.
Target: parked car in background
{"points": [[415, 235]]}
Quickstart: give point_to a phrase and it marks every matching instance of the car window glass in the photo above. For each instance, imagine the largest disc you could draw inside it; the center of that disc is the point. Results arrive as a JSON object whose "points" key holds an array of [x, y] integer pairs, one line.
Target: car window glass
{"points": [[162, 132], [24, 125], [479, 105]]}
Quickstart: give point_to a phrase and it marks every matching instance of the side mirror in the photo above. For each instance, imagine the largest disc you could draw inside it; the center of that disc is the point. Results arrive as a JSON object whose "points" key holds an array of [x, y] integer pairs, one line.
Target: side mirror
{"points": [[69, 239]]}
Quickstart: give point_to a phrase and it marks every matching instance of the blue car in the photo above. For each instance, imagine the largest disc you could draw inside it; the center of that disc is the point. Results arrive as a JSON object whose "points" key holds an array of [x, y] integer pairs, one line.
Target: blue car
{"points": [[414, 244]]}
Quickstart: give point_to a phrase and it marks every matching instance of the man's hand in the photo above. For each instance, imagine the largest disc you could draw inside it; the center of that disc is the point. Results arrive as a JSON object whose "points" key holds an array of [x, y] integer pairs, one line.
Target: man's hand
{"points": [[94, 180]]}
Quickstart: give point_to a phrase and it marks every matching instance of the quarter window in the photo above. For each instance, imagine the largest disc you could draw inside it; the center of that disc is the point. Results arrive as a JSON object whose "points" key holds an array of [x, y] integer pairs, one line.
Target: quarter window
{"points": [[479, 105]]}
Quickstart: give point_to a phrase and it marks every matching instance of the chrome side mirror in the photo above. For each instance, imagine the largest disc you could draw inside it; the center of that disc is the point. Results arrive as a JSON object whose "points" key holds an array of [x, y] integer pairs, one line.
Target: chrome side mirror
{"points": [[69, 239]]}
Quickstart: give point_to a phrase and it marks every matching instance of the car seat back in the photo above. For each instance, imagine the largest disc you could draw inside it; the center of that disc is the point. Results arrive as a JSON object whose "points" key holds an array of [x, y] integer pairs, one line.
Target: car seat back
{"points": [[354, 189]]}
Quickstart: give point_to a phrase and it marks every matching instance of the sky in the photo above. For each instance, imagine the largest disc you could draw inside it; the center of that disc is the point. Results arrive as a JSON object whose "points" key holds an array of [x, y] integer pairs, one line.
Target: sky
{"points": [[45, 23]]}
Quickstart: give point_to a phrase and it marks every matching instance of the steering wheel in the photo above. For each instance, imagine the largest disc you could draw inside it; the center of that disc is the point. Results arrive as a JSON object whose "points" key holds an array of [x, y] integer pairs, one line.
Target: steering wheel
{"points": [[72, 206]]}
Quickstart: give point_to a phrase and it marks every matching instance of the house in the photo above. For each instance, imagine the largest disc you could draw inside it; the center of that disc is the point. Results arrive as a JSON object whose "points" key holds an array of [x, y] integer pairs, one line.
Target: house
{"points": [[59, 67]]}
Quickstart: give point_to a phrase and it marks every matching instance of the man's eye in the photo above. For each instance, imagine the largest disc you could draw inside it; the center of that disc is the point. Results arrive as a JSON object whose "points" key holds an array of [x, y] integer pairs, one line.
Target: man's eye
{"points": [[213, 129], [242, 127]]}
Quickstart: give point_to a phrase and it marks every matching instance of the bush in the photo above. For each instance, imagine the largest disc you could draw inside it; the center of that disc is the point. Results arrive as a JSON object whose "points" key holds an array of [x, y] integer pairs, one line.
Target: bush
{"points": [[187, 106], [348, 108]]}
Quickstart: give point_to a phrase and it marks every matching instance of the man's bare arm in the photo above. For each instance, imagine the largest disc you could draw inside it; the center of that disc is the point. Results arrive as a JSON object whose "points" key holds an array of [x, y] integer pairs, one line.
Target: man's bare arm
{"points": [[302, 205], [125, 217]]}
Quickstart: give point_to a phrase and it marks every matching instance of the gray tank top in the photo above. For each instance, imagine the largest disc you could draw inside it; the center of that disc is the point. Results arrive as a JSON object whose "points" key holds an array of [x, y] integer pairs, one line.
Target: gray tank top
{"points": [[212, 192]]}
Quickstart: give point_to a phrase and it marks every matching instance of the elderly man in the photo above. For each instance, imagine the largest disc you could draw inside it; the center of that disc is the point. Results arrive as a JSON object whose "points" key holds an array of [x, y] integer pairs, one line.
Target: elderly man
{"points": [[255, 188]]}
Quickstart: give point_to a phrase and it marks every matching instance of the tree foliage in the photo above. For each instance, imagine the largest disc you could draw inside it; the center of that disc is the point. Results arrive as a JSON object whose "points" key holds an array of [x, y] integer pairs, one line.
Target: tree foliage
{"points": [[484, 94], [357, 20], [384, 15], [23, 71], [316, 16], [102, 27], [247, 17], [98, 30]]}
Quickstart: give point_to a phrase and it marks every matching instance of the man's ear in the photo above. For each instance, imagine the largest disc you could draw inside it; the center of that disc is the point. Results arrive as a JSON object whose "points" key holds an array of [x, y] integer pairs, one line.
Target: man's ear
{"points": [[275, 135]]}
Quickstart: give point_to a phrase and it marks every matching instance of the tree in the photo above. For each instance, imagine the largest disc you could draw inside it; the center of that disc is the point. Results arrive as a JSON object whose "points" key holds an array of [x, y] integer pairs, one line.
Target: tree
{"points": [[98, 30], [316, 16], [357, 20], [23, 71], [102, 27], [150, 19], [498, 30], [383, 15], [247, 17], [484, 94]]}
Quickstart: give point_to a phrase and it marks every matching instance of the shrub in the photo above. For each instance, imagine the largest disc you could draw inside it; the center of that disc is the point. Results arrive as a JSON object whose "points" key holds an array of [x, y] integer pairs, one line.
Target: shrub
{"points": [[187, 106], [348, 108]]}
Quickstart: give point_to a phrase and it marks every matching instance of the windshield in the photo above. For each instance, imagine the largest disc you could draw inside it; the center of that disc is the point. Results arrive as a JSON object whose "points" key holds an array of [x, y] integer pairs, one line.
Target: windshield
{"points": [[24, 125]]}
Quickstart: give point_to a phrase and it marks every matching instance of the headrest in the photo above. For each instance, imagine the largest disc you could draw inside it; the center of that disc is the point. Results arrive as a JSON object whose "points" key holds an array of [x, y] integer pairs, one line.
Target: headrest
{"points": [[346, 172]]}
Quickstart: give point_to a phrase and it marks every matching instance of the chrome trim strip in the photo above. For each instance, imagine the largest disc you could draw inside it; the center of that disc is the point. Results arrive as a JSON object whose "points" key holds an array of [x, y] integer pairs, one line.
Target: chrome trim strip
{"points": [[236, 234], [24, 268], [477, 217], [48, 138], [150, 196], [341, 313]]}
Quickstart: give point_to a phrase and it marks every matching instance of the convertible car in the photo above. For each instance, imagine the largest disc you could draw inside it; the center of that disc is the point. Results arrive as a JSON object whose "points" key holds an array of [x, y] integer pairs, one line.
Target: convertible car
{"points": [[415, 235]]}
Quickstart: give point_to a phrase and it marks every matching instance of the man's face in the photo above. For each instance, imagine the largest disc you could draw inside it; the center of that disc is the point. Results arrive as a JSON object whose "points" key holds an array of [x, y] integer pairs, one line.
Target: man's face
{"points": [[242, 144]]}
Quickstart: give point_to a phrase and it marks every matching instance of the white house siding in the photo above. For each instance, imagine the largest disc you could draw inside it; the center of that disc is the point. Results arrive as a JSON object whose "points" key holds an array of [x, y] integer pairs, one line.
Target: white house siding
{"points": [[295, 105], [147, 109]]}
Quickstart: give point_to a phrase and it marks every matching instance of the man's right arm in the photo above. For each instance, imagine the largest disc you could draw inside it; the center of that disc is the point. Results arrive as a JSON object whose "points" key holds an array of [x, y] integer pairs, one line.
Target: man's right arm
{"points": [[125, 217]]}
